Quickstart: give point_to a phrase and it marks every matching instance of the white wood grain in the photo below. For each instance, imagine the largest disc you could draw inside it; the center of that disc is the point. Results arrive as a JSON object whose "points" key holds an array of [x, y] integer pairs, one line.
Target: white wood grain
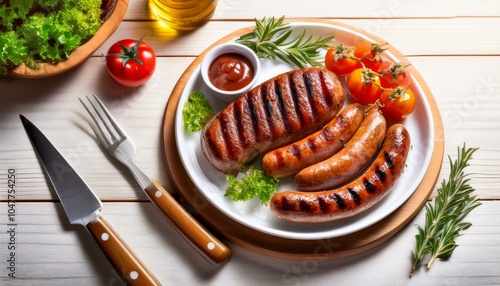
{"points": [[413, 37], [378, 9], [453, 44], [52, 251]]}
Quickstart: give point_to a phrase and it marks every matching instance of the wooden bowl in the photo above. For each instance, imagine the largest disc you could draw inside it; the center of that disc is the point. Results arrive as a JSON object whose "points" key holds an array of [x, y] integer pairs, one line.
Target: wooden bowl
{"points": [[112, 16]]}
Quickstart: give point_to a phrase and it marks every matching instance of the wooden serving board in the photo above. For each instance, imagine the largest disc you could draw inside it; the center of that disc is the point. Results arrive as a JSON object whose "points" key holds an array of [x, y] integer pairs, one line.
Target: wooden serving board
{"points": [[249, 238]]}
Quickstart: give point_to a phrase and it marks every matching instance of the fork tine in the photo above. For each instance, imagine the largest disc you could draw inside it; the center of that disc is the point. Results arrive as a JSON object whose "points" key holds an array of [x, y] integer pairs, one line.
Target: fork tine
{"points": [[104, 117], [110, 118], [102, 135]]}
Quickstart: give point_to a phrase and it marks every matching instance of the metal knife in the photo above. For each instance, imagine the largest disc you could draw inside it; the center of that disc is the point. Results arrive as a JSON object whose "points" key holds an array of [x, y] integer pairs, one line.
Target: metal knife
{"points": [[83, 207]]}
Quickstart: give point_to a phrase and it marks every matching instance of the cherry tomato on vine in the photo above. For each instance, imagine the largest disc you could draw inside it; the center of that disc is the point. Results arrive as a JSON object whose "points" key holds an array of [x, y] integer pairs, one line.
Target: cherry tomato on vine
{"points": [[395, 76], [397, 103], [340, 60], [130, 62], [364, 85], [371, 56]]}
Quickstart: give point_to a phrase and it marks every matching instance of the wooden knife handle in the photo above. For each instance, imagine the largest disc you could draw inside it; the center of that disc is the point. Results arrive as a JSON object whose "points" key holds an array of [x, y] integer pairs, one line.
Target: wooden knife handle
{"points": [[206, 243], [125, 262]]}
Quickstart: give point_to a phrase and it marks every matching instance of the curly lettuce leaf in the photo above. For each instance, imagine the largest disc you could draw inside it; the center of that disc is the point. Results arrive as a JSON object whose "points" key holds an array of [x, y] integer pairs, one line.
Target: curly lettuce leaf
{"points": [[12, 52], [15, 11], [48, 41], [196, 112], [49, 30], [254, 184]]}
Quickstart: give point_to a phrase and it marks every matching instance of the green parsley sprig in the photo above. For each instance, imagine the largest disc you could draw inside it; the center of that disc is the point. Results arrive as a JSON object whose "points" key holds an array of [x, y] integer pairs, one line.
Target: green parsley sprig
{"points": [[443, 220], [254, 184], [196, 112], [269, 40]]}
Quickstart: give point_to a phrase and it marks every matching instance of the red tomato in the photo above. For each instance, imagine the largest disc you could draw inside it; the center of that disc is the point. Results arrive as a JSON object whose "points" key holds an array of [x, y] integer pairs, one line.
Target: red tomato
{"points": [[340, 60], [363, 50], [364, 85], [379, 65], [395, 76], [371, 56], [397, 103], [131, 63]]}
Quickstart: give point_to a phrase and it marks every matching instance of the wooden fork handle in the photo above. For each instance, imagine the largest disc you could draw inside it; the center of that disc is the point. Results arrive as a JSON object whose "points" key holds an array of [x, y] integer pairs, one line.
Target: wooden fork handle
{"points": [[205, 242], [125, 262]]}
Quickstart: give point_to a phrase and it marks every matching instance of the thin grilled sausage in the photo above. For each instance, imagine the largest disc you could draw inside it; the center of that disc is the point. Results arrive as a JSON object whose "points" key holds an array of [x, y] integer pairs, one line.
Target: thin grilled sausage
{"points": [[279, 111], [355, 197], [292, 158], [344, 165]]}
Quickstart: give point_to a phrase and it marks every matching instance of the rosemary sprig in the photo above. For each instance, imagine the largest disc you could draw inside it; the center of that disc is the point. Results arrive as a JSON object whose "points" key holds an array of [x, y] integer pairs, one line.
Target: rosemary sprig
{"points": [[269, 40], [443, 220]]}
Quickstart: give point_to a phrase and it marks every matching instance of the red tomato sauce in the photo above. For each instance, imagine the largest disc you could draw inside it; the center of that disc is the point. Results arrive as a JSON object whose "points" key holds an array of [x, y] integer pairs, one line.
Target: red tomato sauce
{"points": [[230, 72]]}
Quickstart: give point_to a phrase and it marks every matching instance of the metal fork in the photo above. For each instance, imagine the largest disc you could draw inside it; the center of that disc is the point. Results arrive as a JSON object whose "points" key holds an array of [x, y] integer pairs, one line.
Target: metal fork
{"points": [[116, 141]]}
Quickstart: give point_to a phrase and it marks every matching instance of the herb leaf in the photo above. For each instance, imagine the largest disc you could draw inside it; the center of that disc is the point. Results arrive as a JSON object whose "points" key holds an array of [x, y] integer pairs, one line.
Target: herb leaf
{"points": [[45, 30], [196, 112], [254, 184], [443, 221], [269, 40]]}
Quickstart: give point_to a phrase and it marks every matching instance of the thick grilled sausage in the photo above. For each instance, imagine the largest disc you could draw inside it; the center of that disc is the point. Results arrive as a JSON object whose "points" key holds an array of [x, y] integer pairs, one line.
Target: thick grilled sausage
{"points": [[292, 158], [277, 112], [349, 161], [354, 197]]}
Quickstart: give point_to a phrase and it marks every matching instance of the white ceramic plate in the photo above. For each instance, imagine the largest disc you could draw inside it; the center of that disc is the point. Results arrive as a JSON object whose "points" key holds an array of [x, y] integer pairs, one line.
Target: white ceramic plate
{"points": [[212, 184]]}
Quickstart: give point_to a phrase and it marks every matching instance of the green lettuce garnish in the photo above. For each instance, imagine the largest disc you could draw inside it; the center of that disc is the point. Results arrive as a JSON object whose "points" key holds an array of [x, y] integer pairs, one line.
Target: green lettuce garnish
{"points": [[254, 184], [196, 112], [33, 31]]}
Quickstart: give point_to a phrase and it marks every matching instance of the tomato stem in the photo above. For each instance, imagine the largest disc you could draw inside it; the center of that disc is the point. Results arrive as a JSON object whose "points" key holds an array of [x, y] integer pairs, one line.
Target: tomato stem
{"points": [[129, 54]]}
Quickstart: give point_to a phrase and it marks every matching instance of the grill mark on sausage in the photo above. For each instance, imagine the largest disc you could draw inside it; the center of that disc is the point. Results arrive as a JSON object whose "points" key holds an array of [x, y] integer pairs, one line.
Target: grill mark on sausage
{"points": [[225, 121], [267, 105], [369, 186], [268, 98], [250, 109], [293, 91], [286, 205], [355, 196], [262, 122], [281, 107], [238, 117], [327, 134], [305, 206], [339, 201], [380, 174], [325, 89], [311, 144], [389, 160], [295, 150], [280, 160], [310, 94], [323, 205], [247, 123]]}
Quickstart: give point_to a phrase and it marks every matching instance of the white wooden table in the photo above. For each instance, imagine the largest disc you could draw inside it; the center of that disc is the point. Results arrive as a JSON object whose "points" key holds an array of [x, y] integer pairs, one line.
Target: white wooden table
{"points": [[453, 44]]}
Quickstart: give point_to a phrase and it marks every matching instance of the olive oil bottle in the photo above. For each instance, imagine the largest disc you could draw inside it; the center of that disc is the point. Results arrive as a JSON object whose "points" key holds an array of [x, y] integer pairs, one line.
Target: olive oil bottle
{"points": [[183, 15]]}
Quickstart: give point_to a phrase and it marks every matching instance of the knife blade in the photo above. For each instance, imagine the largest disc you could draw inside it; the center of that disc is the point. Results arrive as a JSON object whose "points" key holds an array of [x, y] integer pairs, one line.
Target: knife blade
{"points": [[83, 207]]}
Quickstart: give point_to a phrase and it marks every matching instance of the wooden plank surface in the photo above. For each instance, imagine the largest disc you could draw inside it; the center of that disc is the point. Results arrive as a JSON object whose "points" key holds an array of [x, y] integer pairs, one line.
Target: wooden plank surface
{"points": [[55, 252], [413, 37], [453, 44]]}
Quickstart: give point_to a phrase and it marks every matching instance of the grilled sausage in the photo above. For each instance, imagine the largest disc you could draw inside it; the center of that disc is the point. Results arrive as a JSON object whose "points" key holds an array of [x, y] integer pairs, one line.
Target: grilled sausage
{"points": [[277, 112], [354, 197], [349, 161], [292, 158]]}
